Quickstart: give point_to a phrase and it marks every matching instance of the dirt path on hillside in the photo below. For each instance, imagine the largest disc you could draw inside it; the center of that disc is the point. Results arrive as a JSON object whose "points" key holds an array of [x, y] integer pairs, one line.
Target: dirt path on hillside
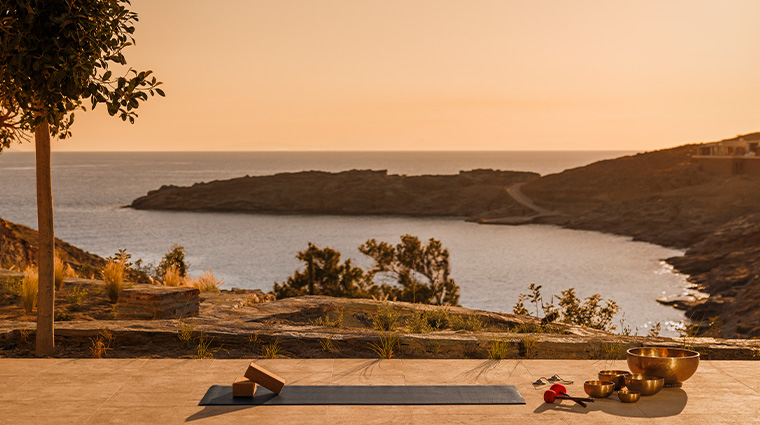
{"points": [[515, 192]]}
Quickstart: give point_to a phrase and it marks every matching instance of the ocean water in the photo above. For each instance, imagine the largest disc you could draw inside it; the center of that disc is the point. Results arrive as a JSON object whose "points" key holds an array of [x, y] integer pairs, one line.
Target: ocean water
{"points": [[491, 264]]}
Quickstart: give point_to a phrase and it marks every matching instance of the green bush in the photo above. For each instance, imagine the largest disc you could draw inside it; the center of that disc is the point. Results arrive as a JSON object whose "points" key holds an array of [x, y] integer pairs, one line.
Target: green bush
{"points": [[570, 309], [417, 322], [470, 323]]}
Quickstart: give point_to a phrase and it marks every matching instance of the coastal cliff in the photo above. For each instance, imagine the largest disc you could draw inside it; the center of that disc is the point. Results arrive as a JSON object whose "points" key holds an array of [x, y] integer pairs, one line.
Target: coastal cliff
{"points": [[471, 194], [666, 197]]}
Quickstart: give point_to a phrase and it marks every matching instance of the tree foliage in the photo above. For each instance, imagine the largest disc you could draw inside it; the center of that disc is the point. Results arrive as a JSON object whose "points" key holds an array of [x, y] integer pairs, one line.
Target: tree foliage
{"points": [[56, 54], [175, 258], [323, 274], [420, 271]]}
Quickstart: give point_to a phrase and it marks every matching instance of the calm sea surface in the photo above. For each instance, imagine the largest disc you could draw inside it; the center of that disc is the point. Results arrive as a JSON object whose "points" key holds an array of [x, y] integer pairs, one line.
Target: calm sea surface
{"points": [[491, 264]]}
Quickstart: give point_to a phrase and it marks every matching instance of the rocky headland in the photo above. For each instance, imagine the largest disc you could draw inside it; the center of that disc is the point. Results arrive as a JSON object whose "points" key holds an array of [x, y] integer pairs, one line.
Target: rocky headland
{"points": [[471, 194], [666, 197]]}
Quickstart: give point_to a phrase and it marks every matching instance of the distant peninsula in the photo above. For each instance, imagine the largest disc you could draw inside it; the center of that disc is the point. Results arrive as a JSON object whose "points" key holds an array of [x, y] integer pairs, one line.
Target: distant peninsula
{"points": [[470, 194]]}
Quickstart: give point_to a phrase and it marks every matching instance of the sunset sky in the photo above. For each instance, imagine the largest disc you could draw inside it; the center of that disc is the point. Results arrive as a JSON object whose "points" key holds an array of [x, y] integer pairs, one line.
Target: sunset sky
{"points": [[437, 75]]}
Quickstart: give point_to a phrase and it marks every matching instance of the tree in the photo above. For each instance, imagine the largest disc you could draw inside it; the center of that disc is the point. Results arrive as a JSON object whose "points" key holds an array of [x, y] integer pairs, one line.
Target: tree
{"points": [[53, 56], [324, 275], [422, 271]]}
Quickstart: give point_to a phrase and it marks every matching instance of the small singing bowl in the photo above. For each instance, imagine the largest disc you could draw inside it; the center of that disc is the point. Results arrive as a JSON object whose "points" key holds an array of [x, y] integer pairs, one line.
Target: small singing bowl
{"points": [[615, 376], [599, 389], [644, 384], [627, 396]]}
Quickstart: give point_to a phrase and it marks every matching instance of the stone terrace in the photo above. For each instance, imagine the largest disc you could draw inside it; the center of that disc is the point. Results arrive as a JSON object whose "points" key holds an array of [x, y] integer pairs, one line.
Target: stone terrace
{"points": [[167, 391]]}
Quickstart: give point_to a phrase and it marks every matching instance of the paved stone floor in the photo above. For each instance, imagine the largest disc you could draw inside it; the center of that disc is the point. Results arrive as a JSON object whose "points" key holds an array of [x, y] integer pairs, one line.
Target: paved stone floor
{"points": [[164, 392]]}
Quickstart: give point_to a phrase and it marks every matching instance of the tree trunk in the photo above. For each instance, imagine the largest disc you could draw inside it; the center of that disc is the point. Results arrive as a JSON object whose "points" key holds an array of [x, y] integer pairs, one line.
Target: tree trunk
{"points": [[46, 293]]}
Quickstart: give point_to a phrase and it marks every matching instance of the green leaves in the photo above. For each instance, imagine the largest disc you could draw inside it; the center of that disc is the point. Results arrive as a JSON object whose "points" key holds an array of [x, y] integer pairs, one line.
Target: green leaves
{"points": [[421, 271], [55, 54], [324, 275]]}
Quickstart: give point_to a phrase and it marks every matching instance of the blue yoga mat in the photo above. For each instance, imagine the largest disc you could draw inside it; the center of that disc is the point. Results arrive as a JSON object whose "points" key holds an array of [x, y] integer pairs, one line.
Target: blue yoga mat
{"points": [[368, 395]]}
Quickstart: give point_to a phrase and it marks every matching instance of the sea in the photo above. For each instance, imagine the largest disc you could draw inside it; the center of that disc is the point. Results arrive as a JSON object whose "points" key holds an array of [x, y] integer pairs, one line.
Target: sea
{"points": [[491, 264]]}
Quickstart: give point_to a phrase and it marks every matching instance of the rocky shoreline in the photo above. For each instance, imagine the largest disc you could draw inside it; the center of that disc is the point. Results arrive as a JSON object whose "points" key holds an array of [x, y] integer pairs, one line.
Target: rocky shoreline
{"points": [[665, 197]]}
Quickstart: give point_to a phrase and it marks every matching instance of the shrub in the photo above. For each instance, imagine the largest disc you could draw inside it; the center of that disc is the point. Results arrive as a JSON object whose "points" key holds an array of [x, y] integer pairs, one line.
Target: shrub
{"points": [[326, 322], [113, 277], [175, 258], [76, 294], [590, 313], [62, 316], [470, 323], [386, 318], [417, 322], [172, 277], [134, 271], [29, 287], [438, 319], [570, 309]]}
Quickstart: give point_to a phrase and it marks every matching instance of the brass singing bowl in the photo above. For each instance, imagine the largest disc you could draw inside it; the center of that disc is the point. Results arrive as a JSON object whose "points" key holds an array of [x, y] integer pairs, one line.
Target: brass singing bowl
{"points": [[674, 364], [644, 384], [627, 396], [615, 376], [599, 389]]}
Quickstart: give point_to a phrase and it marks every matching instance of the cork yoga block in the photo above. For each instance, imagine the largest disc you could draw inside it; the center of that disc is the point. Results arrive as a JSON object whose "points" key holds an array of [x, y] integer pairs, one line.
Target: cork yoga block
{"points": [[243, 387], [264, 378]]}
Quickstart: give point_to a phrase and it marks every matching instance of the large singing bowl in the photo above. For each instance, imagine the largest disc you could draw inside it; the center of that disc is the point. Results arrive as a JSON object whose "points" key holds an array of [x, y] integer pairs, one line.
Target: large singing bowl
{"points": [[674, 364]]}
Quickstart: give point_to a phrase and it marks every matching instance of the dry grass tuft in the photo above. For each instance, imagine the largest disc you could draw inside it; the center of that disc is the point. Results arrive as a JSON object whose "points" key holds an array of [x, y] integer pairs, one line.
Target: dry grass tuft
{"points": [[59, 270], [272, 350], [29, 287], [384, 348], [499, 349], [172, 277], [101, 344], [206, 282], [113, 276]]}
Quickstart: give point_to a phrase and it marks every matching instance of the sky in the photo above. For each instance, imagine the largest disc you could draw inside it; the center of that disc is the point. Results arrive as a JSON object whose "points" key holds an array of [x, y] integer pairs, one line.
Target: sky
{"points": [[361, 75]]}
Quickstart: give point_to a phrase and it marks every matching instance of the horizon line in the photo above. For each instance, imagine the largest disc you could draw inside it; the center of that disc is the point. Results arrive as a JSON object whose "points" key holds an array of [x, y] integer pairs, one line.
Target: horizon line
{"points": [[10, 150]]}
